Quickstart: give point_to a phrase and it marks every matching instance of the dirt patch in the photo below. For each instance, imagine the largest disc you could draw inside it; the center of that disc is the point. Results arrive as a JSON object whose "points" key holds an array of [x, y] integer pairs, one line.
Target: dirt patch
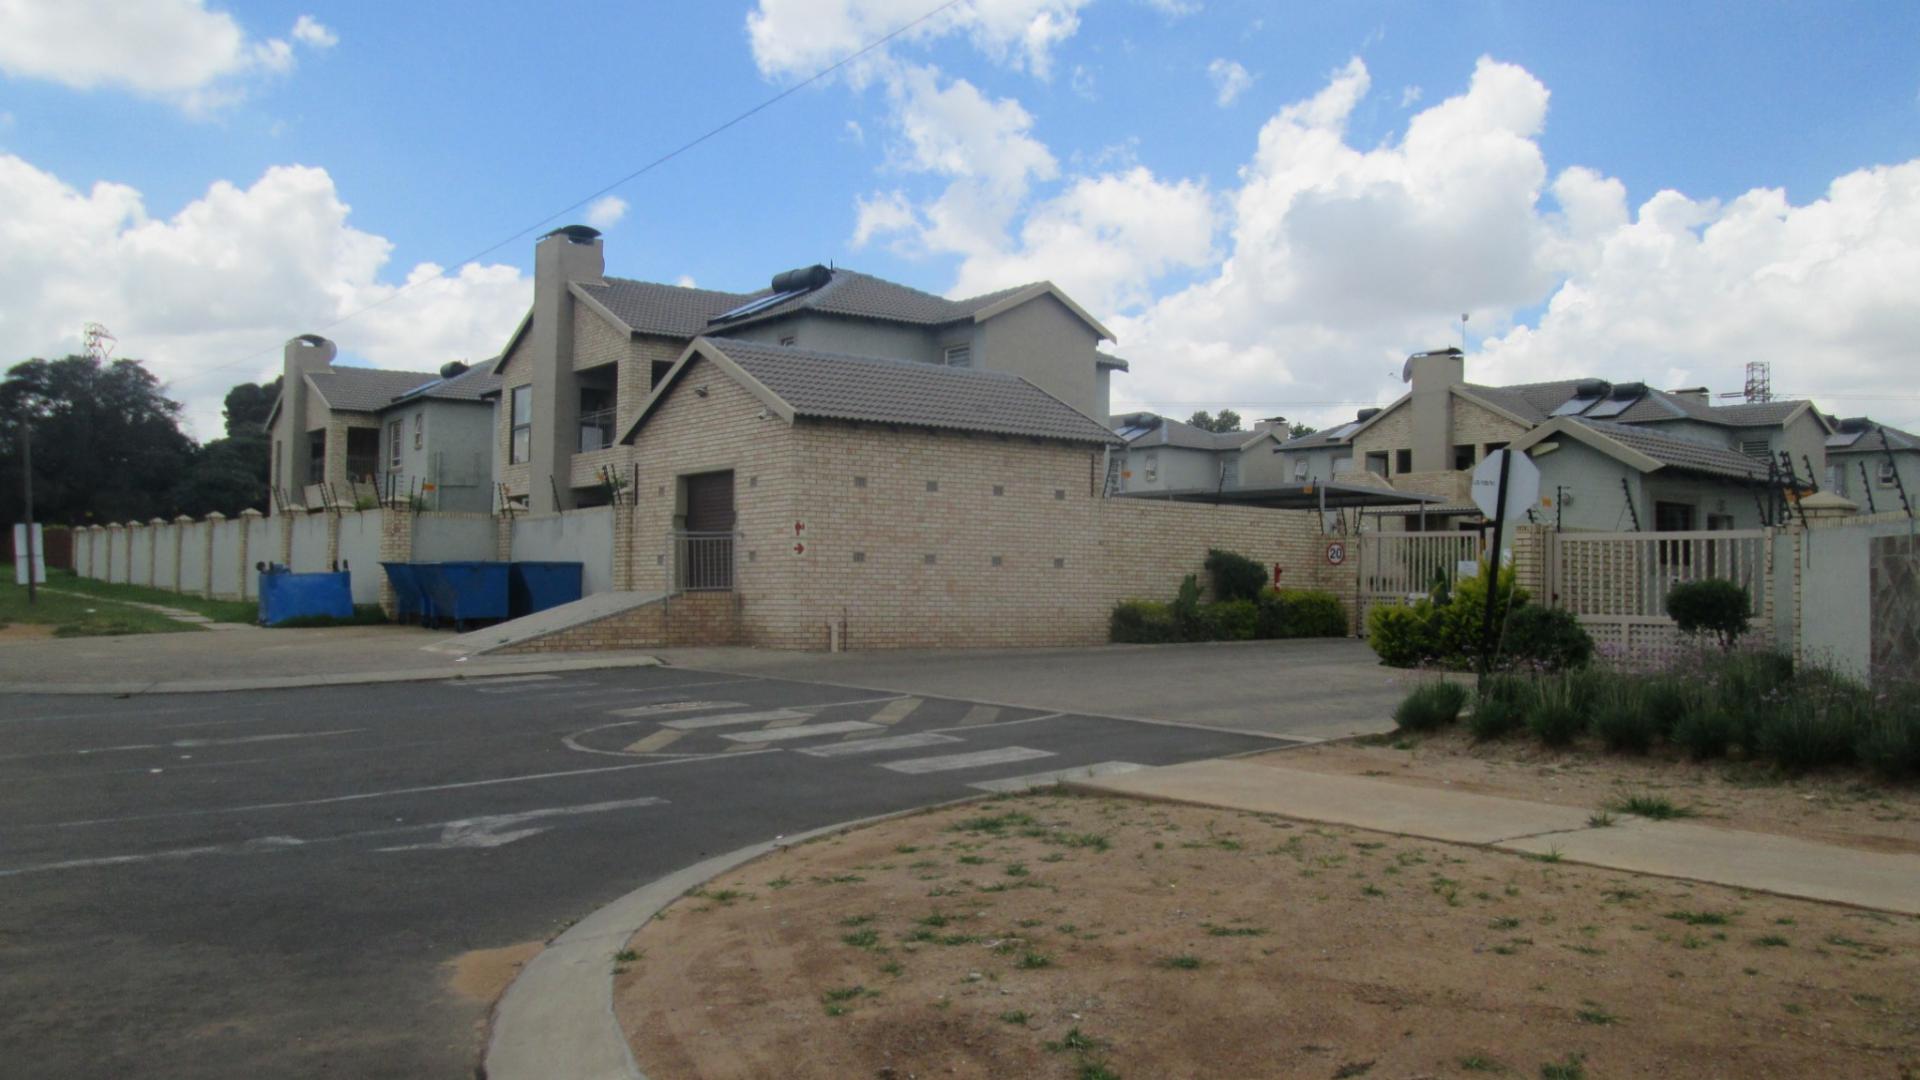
{"points": [[483, 974], [25, 632], [1846, 810], [1056, 936]]}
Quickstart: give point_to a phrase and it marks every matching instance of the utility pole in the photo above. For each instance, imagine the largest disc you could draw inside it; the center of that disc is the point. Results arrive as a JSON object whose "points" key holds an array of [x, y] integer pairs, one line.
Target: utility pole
{"points": [[26, 483]]}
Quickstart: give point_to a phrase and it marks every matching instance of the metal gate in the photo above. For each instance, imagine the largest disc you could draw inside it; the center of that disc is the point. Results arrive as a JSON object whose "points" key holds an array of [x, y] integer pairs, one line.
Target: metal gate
{"points": [[703, 553], [1616, 584], [1399, 567]]}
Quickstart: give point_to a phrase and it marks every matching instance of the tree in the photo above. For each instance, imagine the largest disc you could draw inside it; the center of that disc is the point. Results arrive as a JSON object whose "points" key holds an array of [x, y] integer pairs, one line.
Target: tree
{"points": [[230, 474], [247, 406], [1297, 429], [107, 444], [1228, 420]]}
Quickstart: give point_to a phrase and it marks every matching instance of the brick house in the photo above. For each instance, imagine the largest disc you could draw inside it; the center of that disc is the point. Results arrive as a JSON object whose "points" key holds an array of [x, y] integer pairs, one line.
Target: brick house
{"points": [[592, 348], [344, 435], [1430, 439]]}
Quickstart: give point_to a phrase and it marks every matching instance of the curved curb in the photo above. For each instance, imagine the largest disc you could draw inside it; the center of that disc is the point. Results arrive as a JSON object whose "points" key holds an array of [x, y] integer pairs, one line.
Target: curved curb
{"points": [[556, 1022], [355, 678]]}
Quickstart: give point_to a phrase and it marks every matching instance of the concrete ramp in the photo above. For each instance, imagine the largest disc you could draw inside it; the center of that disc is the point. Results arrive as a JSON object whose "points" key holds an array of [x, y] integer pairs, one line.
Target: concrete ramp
{"points": [[609, 621]]}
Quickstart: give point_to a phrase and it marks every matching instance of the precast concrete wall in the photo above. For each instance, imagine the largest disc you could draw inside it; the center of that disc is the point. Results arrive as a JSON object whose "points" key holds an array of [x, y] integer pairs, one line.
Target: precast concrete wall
{"points": [[360, 554], [229, 569], [263, 545], [309, 543], [582, 536], [454, 538]]}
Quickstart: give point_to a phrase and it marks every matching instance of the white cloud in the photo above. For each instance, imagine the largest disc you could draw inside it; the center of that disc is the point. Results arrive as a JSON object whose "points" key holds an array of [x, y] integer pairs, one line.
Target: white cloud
{"points": [[1174, 8], [232, 274], [799, 37], [1083, 84], [606, 211], [1410, 96], [854, 132], [1230, 80], [881, 214], [957, 131], [174, 50], [309, 31], [685, 281]]}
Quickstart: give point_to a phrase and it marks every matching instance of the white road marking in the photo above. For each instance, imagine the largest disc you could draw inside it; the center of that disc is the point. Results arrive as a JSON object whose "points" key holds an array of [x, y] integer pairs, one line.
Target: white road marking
{"points": [[494, 830], [977, 760], [1078, 772], [874, 746], [895, 711], [675, 707], [695, 723], [657, 741], [779, 734], [980, 714], [502, 680], [542, 687], [238, 739], [261, 845]]}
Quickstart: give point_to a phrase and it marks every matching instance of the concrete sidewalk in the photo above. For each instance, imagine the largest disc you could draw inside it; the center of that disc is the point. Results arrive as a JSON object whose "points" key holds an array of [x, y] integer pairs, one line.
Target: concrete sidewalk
{"points": [[1749, 860], [253, 658]]}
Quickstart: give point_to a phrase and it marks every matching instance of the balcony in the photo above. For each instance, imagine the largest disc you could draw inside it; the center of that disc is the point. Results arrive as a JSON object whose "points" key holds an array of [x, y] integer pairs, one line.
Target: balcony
{"points": [[703, 561], [596, 431]]}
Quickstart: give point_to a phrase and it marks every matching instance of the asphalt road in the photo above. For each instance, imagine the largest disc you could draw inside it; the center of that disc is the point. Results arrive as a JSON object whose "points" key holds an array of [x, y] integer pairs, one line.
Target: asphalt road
{"points": [[276, 883]]}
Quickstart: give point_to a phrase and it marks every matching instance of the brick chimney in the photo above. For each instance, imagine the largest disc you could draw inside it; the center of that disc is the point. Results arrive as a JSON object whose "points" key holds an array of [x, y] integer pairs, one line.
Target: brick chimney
{"points": [[1433, 376], [304, 355], [567, 255]]}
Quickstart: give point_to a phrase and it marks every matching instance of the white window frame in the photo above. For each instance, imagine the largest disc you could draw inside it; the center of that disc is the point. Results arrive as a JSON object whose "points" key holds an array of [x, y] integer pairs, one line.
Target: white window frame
{"points": [[518, 454], [420, 430], [394, 444], [961, 349]]}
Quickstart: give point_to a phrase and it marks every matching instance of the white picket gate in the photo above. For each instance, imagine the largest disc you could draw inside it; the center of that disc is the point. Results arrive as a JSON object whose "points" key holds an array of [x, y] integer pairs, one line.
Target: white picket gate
{"points": [[1617, 583]]}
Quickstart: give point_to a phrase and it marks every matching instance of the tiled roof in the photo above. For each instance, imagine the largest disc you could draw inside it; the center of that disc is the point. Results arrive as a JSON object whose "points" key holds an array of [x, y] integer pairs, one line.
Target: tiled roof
{"points": [[1677, 452], [1873, 440], [358, 389], [1171, 432], [831, 386], [853, 293], [472, 384], [1536, 402], [652, 308], [1332, 436]]}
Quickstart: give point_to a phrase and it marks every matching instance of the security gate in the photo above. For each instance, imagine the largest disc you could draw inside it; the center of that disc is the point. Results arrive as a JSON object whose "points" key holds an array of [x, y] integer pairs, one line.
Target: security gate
{"points": [[1399, 567]]}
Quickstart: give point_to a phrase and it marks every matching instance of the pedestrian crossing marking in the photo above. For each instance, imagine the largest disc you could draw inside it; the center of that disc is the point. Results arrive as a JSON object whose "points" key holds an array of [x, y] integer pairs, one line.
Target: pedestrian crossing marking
{"points": [[655, 742], [674, 707], [895, 711], [976, 760], [695, 723], [980, 714], [879, 744], [781, 734]]}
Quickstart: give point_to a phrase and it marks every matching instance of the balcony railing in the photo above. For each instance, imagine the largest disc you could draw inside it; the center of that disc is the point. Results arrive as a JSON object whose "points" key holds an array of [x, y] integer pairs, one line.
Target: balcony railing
{"points": [[703, 561], [596, 430]]}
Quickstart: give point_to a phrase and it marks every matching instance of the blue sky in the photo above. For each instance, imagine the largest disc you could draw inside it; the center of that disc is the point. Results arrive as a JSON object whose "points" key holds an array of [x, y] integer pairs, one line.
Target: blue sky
{"points": [[446, 128]]}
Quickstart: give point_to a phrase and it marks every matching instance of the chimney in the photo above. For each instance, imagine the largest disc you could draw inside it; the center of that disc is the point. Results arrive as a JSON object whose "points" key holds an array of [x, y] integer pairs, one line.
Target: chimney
{"points": [[1433, 375], [1696, 394], [569, 255], [1270, 423], [305, 355]]}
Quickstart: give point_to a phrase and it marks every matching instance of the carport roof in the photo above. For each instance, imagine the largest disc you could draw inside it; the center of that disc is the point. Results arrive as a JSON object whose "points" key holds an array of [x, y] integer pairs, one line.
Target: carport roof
{"points": [[1323, 495]]}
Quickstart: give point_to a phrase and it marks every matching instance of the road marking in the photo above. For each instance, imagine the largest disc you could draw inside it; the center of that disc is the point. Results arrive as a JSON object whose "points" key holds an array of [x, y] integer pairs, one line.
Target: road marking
{"points": [[980, 714], [494, 830], [537, 688], [659, 740], [1078, 772], [873, 746], [360, 796], [501, 680], [976, 760], [895, 711], [695, 723], [239, 739], [779, 734], [788, 721], [674, 707]]}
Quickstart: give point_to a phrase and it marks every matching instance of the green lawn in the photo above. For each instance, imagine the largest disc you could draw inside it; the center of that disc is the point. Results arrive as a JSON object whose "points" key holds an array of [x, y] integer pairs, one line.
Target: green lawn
{"points": [[235, 611], [74, 616]]}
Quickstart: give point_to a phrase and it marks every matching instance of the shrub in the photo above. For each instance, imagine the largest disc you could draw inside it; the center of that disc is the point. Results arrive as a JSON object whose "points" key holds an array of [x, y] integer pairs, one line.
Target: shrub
{"points": [[1186, 609], [1703, 728], [1817, 726], [1459, 622], [1888, 741], [1142, 622], [1712, 606], [1501, 707], [1751, 687], [1621, 718], [1431, 706], [1402, 636], [1296, 613], [1234, 577], [1555, 717], [1229, 620], [1664, 698], [1548, 638]]}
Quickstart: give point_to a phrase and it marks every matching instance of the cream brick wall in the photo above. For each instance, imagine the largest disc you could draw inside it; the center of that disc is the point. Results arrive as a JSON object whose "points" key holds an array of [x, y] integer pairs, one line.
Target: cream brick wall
{"points": [[1389, 433], [1478, 425]]}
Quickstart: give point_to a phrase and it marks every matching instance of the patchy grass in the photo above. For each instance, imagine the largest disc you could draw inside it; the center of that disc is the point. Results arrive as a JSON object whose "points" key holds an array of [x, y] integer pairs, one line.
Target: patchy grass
{"points": [[1652, 807], [228, 611], [76, 616]]}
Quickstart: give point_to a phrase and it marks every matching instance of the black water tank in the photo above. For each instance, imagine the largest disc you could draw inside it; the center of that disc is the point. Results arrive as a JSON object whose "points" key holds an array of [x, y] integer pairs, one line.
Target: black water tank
{"points": [[1591, 388], [452, 369], [1365, 415], [805, 279]]}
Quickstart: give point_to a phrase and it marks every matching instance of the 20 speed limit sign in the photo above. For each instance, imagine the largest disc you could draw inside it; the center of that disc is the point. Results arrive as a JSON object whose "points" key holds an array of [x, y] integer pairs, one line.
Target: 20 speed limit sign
{"points": [[1336, 553]]}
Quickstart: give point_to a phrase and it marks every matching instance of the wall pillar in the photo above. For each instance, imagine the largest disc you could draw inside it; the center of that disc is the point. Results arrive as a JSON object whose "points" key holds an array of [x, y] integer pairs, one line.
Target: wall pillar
{"points": [[286, 536], [206, 561], [179, 550], [247, 518], [625, 523], [396, 545], [154, 525], [503, 536], [333, 540]]}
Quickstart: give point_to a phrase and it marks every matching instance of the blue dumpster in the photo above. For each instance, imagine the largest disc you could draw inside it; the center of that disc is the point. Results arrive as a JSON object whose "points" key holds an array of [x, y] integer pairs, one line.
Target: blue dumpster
{"points": [[285, 596], [464, 591], [409, 600], [537, 586]]}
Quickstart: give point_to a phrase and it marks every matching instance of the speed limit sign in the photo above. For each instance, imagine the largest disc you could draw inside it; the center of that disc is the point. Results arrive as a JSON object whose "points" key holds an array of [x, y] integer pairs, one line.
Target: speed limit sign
{"points": [[1336, 553]]}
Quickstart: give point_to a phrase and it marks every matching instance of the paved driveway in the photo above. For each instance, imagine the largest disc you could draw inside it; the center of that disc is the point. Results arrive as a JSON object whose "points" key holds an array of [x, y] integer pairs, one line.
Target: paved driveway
{"points": [[278, 883], [1314, 688]]}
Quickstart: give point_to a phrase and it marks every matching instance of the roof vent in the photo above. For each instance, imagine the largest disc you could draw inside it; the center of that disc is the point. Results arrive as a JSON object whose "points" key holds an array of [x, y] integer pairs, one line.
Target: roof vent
{"points": [[576, 234], [805, 279], [452, 369], [1365, 415]]}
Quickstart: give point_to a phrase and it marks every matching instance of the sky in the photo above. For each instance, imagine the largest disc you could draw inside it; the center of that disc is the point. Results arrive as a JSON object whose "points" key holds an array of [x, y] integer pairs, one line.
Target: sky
{"points": [[1269, 204]]}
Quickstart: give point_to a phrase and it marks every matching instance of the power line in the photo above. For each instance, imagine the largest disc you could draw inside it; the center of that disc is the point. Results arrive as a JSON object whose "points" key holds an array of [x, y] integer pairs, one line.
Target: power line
{"points": [[634, 175]]}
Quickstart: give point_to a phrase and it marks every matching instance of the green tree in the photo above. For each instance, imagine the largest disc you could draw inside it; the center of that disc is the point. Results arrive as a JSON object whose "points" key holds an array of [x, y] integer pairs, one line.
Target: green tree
{"points": [[230, 474], [1297, 429], [107, 444], [1228, 420]]}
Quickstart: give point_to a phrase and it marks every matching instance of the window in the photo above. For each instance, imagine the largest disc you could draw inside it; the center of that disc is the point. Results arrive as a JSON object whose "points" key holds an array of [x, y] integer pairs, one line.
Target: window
{"points": [[1758, 449], [420, 430], [1493, 446], [1153, 467], [1837, 479], [1230, 472], [1377, 463], [1463, 457], [789, 339], [1672, 517], [1300, 469], [1887, 475], [1402, 461], [520, 450], [393, 445], [957, 356]]}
